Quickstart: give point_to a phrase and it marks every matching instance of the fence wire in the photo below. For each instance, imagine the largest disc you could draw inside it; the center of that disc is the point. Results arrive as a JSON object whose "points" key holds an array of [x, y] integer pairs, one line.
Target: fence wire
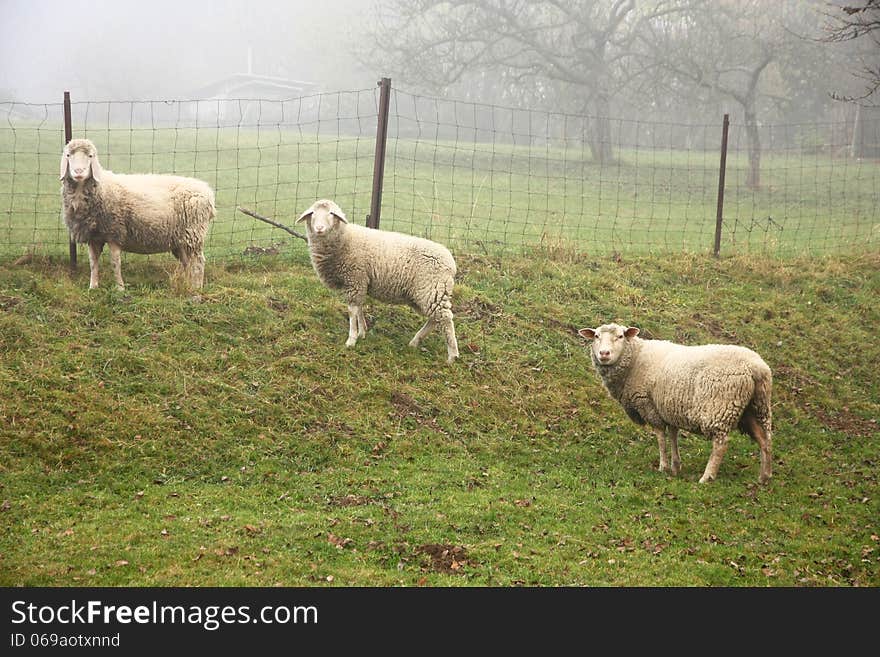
{"points": [[477, 177]]}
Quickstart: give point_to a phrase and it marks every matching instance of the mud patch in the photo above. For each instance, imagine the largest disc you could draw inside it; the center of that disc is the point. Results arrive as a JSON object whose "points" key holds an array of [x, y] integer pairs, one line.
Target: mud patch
{"points": [[404, 404], [845, 422], [349, 500], [8, 302], [479, 309], [277, 305], [444, 557], [714, 327]]}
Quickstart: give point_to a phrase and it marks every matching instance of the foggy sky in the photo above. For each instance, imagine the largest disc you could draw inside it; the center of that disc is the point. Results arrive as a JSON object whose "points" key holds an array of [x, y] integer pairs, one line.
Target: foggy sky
{"points": [[165, 49]]}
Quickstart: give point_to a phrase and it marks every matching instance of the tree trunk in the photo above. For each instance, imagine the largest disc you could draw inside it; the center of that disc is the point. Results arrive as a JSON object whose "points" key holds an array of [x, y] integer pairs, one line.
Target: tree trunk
{"points": [[753, 137], [600, 135]]}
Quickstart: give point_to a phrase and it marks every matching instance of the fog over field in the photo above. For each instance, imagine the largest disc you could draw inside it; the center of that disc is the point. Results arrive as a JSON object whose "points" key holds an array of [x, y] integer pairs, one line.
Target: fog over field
{"points": [[124, 50]]}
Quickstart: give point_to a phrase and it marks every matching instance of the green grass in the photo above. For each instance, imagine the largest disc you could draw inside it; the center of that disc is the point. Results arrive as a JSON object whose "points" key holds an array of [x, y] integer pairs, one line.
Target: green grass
{"points": [[483, 197], [150, 438]]}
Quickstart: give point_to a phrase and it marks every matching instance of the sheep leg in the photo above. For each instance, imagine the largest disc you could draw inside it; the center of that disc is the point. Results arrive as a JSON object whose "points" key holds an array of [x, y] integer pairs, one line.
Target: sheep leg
{"points": [[676, 457], [354, 313], [422, 332], [116, 261], [443, 317], [719, 447], [660, 432], [362, 323], [95, 249], [763, 436], [193, 268], [197, 271]]}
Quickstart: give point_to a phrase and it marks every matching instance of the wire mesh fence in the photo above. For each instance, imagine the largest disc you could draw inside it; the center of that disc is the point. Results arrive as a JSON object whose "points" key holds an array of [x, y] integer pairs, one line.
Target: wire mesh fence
{"points": [[477, 177]]}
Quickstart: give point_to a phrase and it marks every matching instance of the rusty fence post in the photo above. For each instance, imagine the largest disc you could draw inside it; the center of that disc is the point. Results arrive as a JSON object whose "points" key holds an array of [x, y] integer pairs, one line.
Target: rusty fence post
{"points": [[68, 135], [721, 171], [379, 159]]}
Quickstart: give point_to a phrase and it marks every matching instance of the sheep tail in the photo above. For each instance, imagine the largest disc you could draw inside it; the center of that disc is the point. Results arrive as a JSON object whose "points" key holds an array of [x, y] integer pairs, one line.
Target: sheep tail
{"points": [[760, 403]]}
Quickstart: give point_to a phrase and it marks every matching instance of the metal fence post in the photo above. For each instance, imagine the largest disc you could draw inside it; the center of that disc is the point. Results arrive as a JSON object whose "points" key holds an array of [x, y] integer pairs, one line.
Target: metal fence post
{"points": [[721, 171], [68, 135], [379, 160]]}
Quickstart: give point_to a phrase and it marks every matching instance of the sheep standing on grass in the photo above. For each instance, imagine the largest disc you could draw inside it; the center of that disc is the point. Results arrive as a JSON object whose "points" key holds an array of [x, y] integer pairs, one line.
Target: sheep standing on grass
{"points": [[705, 389], [387, 266], [134, 213]]}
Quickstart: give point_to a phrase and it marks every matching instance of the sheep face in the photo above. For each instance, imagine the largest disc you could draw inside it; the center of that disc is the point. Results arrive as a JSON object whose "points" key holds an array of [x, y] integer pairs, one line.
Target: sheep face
{"points": [[608, 341], [322, 218], [79, 161]]}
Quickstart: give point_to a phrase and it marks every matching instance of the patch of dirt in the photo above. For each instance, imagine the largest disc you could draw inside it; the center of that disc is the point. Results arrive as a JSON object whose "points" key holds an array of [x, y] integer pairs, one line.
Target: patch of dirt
{"points": [[845, 422], [404, 404], [479, 309], [407, 407], [444, 557], [8, 302], [350, 500], [714, 327], [262, 250], [277, 305]]}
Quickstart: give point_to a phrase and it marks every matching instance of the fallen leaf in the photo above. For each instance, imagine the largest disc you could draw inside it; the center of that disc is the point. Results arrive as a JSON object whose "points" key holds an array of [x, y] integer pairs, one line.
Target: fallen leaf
{"points": [[5, 506], [139, 495], [122, 562]]}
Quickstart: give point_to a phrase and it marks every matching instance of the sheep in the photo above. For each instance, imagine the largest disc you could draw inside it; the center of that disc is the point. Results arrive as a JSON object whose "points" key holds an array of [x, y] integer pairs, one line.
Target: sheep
{"points": [[704, 389], [136, 213], [387, 266]]}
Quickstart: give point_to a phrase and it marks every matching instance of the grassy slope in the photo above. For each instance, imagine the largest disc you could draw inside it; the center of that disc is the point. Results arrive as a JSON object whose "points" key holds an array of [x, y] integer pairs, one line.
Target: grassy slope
{"points": [[152, 439]]}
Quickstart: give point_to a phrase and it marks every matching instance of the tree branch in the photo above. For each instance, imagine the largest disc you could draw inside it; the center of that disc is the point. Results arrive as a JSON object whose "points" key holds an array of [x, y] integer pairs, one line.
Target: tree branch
{"points": [[253, 214]]}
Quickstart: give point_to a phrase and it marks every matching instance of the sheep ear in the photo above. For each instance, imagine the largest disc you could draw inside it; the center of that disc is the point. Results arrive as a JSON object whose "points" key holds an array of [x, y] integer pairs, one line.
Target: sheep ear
{"points": [[631, 331], [587, 333], [305, 215], [336, 211], [97, 169], [64, 166]]}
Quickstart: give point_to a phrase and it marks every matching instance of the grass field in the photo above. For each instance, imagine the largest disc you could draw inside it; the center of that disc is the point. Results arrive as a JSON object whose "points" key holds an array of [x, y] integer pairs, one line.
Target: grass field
{"points": [[490, 198], [150, 438]]}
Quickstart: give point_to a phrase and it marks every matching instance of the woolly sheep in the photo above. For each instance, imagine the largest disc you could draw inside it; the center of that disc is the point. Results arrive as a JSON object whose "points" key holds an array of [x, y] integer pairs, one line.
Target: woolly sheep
{"points": [[136, 213], [704, 389], [387, 266]]}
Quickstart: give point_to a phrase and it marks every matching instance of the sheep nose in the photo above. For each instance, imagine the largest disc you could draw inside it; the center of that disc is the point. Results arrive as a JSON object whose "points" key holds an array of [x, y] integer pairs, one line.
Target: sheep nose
{"points": [[78, 170], [604, 353]]}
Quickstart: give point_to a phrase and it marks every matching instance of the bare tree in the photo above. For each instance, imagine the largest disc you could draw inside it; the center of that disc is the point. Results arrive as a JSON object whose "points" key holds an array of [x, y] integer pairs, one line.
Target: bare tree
{"points": [[726, 48], [580, 43], [860, 22]]}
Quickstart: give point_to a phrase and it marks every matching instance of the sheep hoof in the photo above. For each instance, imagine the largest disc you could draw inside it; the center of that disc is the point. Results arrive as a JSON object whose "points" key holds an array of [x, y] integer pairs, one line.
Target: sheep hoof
{"points": [[763, 479], [414, 343], [706, 478], [350, 342]]}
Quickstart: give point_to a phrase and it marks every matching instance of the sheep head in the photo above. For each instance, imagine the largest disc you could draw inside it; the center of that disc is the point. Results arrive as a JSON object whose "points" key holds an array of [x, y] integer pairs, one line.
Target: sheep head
{"points": [[608, 341], [322, 217], [79, 161]]}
